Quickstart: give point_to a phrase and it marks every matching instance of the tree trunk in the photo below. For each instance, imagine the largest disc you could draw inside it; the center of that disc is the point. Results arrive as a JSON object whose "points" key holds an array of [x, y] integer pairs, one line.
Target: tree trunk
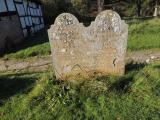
{"points": [[139, 3], [100, 4]]}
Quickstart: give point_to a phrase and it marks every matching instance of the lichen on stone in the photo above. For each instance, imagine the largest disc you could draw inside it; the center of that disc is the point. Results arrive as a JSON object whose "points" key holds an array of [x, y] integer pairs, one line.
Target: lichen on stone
{"points": [[101, 47]]}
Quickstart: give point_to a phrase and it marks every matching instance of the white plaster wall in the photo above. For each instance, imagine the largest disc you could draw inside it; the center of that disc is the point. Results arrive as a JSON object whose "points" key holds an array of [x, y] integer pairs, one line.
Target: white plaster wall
{"points": [[10, 5], [25, 6], [22, 20], [2, 6], [30, 20], [40, 8], [20, 9], [27, 21]]}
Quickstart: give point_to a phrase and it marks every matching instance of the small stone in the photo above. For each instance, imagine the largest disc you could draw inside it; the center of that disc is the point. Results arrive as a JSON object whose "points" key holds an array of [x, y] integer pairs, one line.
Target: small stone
{"points": [[148, 61], [153, 57]]}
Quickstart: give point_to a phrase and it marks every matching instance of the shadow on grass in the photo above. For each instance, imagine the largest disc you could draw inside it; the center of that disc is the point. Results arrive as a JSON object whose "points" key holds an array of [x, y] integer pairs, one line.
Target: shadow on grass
{"points": [[11, 85], [38, 39], [157, 67], [134, 66], [122, 85]]}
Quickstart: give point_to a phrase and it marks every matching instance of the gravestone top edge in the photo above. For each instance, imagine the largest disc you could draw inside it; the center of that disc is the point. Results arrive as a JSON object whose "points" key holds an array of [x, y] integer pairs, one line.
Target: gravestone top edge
{"points": [[70, 16]]}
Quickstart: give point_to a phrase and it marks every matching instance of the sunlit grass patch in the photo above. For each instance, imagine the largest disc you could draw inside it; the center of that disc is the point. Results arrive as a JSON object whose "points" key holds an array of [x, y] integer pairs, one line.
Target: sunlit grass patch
{"points": [[144, 35]]}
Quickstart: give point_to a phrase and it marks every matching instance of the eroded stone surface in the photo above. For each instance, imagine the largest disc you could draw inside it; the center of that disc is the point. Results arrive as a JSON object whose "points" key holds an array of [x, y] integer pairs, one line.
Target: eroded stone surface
{"points": [[101, 47]]}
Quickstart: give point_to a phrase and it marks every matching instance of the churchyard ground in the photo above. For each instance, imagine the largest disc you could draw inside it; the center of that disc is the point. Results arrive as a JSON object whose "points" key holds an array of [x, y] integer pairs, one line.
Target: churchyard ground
{"points": [[36, 94]]}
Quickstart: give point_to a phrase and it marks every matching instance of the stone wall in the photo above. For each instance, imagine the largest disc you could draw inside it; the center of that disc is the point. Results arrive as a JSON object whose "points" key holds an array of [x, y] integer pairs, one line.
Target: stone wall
{"points": [[99, 48], [10, 33]]}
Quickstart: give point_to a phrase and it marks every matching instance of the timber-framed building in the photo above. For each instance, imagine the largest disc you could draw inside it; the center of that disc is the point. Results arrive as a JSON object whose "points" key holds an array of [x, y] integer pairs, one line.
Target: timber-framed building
{"points": [[18, 19]]}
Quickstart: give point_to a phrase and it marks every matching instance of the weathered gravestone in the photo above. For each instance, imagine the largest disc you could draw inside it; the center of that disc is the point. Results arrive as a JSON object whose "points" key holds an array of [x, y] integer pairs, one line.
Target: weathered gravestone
{"points": [[99, 48]]}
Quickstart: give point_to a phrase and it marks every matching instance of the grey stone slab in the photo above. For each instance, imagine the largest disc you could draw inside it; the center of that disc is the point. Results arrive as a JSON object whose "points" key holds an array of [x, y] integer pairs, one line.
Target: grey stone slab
{"points": [[99, 48]]}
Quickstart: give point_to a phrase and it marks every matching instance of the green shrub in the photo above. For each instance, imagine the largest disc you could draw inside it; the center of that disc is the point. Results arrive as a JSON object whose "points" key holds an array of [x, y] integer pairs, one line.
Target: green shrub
{"points": [[81, 5]]}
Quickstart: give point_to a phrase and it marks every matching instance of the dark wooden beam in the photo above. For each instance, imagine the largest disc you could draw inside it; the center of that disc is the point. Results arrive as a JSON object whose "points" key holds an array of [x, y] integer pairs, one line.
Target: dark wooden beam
{"points": [[7, 9], [18, 2], [5, 14], [24, 13]]}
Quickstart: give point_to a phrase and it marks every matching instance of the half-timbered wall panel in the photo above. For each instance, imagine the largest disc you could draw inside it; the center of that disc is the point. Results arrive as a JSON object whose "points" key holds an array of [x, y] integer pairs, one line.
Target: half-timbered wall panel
{"points": [[22, 20], [3, 7], [29, 12], [20, 9], [40, 10], [25, 6], [30, 20], [10, 5], [27, 21], [42, 20]]}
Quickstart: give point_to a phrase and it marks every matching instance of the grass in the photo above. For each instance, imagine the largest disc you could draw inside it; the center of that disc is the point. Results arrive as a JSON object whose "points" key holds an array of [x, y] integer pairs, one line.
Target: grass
{"points": [[37, 45], [38, 96], [135, 95], [142, 35]]}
